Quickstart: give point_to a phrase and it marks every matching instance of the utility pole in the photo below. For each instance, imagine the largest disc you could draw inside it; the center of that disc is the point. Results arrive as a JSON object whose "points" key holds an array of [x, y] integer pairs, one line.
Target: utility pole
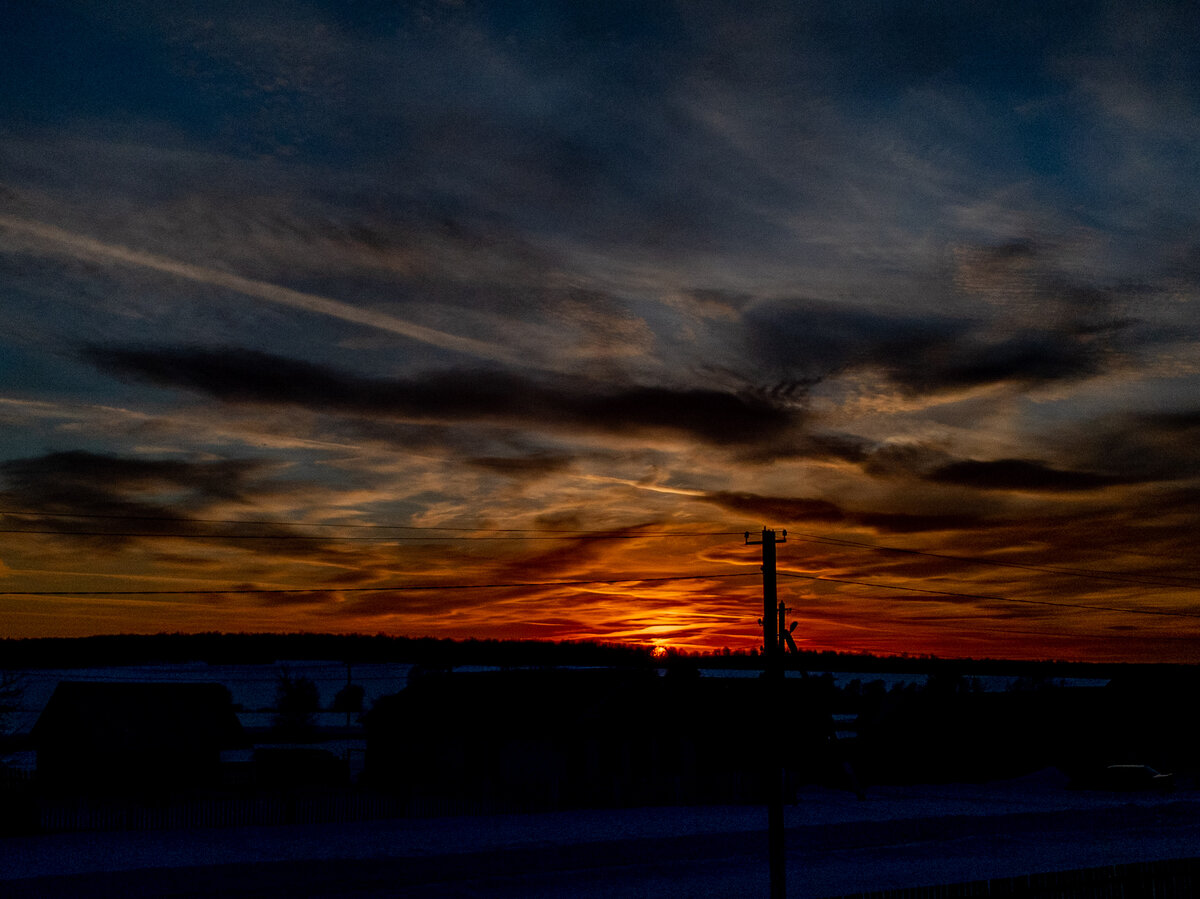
{"points": [[772, 741]]}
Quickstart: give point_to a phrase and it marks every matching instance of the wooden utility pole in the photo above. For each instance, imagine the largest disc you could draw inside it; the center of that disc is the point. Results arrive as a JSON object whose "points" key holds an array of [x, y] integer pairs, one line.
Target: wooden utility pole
{"points": [[772, 742]]}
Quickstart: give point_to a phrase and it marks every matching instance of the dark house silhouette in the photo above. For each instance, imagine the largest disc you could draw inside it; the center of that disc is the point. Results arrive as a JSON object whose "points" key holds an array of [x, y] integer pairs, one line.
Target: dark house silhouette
{"points": [[285, 767], [1139, 718], [540, 739], [103, 737]]}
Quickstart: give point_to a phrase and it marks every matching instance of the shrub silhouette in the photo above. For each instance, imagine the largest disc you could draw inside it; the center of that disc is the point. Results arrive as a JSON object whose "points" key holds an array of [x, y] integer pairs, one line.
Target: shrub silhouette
{"points": [[349, 699], [297, 701]]}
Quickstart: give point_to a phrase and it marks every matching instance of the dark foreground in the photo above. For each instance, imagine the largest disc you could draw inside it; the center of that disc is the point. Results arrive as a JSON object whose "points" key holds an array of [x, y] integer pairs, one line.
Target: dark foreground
{"points": [[899, 837]]}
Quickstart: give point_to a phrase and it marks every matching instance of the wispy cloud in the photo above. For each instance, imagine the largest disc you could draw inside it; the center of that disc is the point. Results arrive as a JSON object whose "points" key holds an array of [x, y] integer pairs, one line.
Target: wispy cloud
{"points": [[89, 247]]}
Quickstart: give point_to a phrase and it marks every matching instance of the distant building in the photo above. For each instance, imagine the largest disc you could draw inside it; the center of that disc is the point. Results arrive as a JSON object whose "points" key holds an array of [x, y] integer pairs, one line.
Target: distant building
{"points": [[99, 737], [541, 739], [925, 737]]}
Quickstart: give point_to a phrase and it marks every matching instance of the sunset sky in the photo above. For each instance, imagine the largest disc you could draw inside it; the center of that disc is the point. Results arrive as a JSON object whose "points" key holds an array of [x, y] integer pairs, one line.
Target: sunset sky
{"points": [[349, 299]]}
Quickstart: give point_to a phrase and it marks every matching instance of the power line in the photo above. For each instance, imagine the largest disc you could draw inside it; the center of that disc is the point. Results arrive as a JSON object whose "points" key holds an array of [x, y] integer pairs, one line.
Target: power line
{"points": [[990, 596], [555, 533], [195, 536], [1161, 580], [496, 534], [548, 534], [390, 538], [386, 588]]}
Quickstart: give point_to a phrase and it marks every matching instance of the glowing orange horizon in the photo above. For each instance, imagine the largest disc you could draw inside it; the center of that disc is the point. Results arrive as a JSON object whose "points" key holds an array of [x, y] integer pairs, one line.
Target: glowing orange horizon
{"points": [[847, 601]]}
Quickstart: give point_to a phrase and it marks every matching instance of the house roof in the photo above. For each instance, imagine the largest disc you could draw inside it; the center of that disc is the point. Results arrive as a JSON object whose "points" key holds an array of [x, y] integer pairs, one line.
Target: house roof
{"points": [[145, 716]]}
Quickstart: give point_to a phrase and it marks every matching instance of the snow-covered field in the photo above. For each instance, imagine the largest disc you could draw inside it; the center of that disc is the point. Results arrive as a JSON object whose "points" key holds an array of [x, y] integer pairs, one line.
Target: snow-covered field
{"points": [[899, 836]]}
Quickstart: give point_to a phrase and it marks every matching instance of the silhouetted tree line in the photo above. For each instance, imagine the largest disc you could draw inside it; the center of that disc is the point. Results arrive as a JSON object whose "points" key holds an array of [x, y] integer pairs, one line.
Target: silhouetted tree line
{"points": [[544, 737], [948, 730], [247, 649], [219, 648], [552, 739], [297, 702]]}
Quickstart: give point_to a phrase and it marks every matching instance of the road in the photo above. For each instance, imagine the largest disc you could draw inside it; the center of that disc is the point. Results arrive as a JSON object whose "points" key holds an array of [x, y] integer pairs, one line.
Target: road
{"points": [[836, 845]]}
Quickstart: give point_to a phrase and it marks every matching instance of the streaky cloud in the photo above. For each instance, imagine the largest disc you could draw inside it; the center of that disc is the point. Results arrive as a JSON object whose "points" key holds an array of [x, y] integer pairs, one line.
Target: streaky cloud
{"points": [[932, 353], [1021, 475], [64, 475], [245, 376], [522, 467], [90, 248], [811, 510], [111, 501]]}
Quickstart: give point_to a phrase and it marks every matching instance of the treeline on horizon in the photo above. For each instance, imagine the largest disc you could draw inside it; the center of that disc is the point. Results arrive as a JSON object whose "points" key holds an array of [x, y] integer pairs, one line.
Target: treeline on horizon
{"points": [[247, 649]]}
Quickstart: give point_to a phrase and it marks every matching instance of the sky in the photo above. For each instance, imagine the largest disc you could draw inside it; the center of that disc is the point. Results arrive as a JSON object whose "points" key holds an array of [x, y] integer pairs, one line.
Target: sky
{"points": [[510, 320]]}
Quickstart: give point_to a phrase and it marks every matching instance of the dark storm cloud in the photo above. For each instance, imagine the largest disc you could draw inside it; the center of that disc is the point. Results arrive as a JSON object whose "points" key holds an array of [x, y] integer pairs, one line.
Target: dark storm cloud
{"points": [[243, 376], [1148, 446], [935, 465], [1027, 359], [802, 510], [112, 500], [912, 523], [314, 598], [903, 460], [782, 509], [526, 467], [64, 477], [830, 446], [929, 353], [570, 557], [1020, 474], [815, 338], [1183, 424], [1018, 248]]}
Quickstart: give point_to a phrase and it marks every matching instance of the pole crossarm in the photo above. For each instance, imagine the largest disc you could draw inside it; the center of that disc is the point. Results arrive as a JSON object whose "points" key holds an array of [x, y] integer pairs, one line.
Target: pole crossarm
{"points": [[782, 538]]}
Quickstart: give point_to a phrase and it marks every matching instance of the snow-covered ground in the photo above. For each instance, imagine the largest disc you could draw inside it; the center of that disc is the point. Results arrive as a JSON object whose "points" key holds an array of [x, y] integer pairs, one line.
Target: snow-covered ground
{"points": [[898, 836]]}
